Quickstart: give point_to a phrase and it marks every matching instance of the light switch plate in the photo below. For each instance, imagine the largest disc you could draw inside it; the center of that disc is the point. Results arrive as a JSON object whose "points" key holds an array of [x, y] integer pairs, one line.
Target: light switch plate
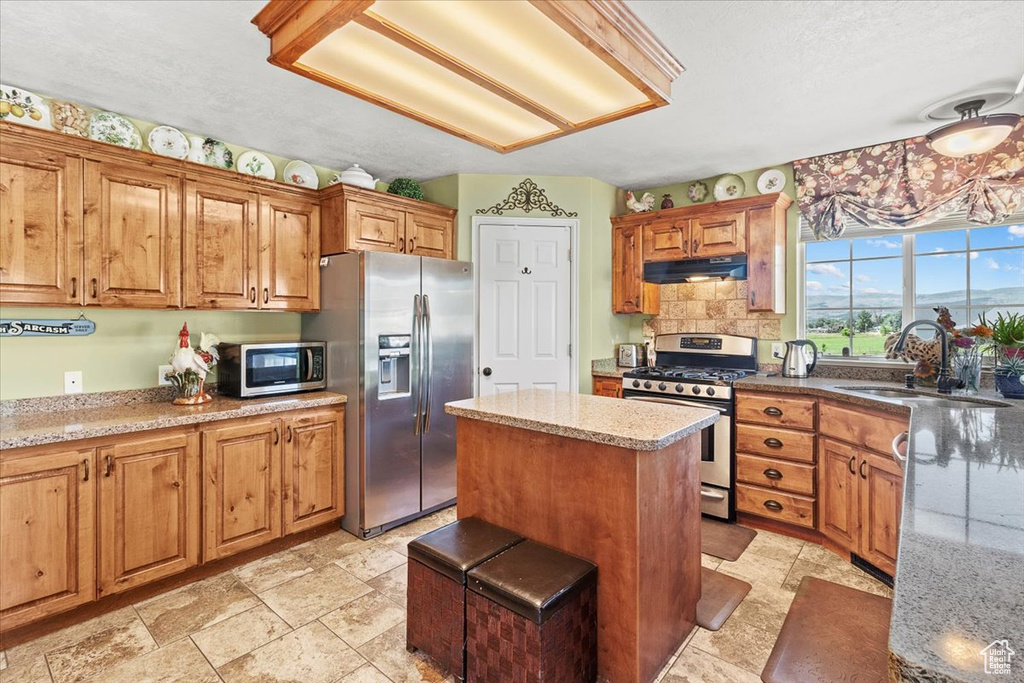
{"points": [[73, 382], [161, 375], [778, 349]]}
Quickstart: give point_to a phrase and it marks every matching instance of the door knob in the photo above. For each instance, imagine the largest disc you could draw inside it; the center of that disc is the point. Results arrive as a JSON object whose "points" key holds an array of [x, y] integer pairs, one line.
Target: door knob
{"points": [[487, 372]]}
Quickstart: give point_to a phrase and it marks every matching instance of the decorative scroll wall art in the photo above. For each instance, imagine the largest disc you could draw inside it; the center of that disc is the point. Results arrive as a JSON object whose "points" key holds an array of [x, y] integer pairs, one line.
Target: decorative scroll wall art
{"points": [[905, 184], [528, 197]]}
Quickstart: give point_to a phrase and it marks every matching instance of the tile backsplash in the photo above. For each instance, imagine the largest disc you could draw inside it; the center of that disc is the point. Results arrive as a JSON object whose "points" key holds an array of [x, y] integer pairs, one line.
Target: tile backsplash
{"points": [[714, 307]]}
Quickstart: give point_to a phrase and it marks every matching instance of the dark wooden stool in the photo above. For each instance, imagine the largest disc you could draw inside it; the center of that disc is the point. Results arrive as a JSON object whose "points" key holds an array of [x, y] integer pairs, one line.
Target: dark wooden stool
{"points": [[531, 617], [438, 562], [831, 633]]}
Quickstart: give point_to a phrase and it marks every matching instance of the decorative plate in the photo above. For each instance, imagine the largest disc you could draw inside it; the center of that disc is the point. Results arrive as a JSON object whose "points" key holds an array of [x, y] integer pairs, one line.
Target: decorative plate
{"points": [[770, 181], [256, 164], [210, 152], [114, 129], [302, 174], [729, 186], [70, 118], [168, 142], [698, 192], [24, 107]]}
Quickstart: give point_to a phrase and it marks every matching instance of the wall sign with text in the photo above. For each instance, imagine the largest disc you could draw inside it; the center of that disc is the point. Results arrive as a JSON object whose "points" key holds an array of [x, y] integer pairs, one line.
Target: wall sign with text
{"points": [[75, 327]]}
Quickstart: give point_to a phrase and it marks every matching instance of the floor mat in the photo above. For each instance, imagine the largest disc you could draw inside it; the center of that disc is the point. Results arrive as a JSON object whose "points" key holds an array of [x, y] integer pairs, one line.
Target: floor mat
{"points": [[720, 595], [724, 541]]}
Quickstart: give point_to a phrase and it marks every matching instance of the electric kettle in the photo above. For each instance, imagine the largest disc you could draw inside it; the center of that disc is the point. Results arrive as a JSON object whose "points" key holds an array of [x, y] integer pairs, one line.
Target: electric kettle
{"points": [[799, 361]]}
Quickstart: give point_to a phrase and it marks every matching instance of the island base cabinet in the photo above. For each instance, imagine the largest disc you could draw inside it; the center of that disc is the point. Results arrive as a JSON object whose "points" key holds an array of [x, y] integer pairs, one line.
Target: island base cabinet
{"points": [[148, 510], [241, 487], [313, 470], [47, 535]]}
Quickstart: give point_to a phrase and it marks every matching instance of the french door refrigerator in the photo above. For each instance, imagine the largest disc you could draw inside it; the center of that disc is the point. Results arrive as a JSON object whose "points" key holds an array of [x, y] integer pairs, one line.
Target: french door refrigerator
{"points": [[399, 333]]}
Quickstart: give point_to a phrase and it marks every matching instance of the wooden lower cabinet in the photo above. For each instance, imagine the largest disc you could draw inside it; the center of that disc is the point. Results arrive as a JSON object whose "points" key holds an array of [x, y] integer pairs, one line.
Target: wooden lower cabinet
{"points": [[47, 534], [241, 487], [881, 504], [148, 510], [838, 501], [313, 470], [607, 386]]}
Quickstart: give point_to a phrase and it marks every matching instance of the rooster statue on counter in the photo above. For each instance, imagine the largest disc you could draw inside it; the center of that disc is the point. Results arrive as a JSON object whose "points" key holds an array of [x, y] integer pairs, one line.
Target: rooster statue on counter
{"points": [[191, 365]]}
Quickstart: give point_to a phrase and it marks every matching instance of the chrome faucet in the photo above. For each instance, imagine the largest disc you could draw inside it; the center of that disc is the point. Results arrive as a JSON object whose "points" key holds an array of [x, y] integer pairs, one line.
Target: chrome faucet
{"points": [[945, 382]]}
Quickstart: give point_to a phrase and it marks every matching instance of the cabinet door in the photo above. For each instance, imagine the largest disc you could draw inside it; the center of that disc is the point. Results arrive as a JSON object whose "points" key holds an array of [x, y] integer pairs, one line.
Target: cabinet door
{"points": [[290, 247], [40, 226], [629, 292], [221, 251], [881, 499], [667, 240], [132, 236], [719, 234], [605, 386], [314, 469], [838, 503], [369, 227], [241, 487], [47, 541], [429, 235], [148, 510]]}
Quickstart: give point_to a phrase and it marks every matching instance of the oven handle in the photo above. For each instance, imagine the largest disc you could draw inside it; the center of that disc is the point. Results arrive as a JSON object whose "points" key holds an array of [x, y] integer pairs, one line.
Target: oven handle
{"points": [[678, 402], [704, 493]]}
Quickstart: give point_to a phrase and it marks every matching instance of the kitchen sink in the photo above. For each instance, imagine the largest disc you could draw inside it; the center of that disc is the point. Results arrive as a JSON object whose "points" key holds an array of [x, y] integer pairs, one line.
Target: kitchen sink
{"points": [[925, 399]]}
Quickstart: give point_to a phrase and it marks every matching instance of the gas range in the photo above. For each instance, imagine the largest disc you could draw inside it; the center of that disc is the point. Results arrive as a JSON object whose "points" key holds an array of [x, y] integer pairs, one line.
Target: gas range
{"points": [[693, 381]]}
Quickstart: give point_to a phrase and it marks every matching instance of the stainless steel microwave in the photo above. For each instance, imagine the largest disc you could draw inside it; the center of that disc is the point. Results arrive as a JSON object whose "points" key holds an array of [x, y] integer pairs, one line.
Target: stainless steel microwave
{"points": [[247, 370]]}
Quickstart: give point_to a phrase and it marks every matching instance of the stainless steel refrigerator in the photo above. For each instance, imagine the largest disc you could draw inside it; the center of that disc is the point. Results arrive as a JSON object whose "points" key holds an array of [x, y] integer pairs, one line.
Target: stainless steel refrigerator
{"points": [[399, 333]]}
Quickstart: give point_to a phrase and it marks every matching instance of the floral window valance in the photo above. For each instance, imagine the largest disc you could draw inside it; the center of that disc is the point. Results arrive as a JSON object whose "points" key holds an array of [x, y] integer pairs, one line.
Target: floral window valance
{"points": [[905, 184]]}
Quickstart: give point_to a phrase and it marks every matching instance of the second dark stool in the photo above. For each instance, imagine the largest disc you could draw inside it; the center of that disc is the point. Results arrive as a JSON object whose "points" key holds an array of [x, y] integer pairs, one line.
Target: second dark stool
{"points": [[438, 562]]}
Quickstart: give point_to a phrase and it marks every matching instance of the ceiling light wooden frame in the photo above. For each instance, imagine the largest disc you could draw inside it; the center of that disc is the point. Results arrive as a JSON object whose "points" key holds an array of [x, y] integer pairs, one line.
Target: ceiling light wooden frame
{"points": [[607, 28]]}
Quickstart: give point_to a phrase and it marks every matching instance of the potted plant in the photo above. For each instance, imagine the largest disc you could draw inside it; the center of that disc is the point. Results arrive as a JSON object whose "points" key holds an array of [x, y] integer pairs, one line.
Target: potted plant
{"points": [[1008, 343]]}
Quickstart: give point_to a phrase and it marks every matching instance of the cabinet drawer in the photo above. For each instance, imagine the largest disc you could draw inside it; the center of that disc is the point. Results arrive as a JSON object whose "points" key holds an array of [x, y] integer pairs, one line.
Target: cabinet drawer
{"points": [[862, 427], [775, 443], [785, 507], [772, 409], [775, 474]]}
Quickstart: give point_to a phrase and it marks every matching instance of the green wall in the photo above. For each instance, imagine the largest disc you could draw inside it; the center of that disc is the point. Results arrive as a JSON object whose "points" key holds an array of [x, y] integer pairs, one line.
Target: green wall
{"points": [[594, 202], [125, 350], [680, 198]]}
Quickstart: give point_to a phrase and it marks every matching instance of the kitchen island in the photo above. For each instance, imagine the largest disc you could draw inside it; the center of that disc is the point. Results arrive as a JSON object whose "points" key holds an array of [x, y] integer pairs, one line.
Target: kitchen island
{"points": [[616, 482]]}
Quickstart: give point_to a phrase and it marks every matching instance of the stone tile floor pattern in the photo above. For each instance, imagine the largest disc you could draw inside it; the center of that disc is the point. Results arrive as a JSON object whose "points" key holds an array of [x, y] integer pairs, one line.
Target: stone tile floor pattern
{"points": [[333, 611]]}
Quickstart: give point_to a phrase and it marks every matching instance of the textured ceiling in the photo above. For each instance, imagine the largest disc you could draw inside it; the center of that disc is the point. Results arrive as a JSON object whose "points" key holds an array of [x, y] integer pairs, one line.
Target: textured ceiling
{"points": [[765, 83]]}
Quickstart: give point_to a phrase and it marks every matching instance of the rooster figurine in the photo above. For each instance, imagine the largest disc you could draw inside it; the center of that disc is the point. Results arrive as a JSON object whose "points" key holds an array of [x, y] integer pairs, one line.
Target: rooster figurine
{"points": [[646, 202], [191, 365]]}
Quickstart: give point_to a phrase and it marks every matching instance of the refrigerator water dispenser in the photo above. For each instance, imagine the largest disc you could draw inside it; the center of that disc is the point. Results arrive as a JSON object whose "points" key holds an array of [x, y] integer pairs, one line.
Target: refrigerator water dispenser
{"points": [[393, 367]]}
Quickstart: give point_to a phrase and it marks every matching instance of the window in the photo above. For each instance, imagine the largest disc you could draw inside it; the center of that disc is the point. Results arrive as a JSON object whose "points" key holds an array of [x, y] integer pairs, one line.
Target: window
{"points": [[857, 291]]}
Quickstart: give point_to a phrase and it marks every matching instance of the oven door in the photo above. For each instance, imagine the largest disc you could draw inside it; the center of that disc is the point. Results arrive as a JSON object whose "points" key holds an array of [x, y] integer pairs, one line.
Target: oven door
{"points": [[715, 454], [280, 368]]}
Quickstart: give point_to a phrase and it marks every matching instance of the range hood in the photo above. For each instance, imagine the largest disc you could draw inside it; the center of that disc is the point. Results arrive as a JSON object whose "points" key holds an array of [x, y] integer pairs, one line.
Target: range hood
{"points": [[696, 270]]}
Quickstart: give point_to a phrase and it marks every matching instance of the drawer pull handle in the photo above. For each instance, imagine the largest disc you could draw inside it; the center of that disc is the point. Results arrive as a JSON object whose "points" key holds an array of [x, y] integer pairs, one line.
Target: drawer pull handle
{"points": [[110, 466], [288, 431], [773, 411], [277, 436], [93, 288], [252, 295], [86, 463], [850, 464], [861, 468], [772, 473], [773, 505], [266, 295], [772, 442], [74, 287]]}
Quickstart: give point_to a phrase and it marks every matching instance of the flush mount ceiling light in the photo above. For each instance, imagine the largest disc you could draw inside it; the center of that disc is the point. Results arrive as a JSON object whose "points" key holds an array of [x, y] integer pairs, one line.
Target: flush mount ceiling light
{"points": [[504, 74], [973, 133]]}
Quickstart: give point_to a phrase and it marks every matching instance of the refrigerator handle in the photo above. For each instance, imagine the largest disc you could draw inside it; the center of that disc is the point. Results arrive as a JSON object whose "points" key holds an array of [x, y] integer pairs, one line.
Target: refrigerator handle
{"points": [[417, 332], [429, 350]]}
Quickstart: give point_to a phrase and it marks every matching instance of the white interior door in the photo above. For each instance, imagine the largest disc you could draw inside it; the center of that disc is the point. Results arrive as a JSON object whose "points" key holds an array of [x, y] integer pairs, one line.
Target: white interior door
{"points": [[524, 300]]}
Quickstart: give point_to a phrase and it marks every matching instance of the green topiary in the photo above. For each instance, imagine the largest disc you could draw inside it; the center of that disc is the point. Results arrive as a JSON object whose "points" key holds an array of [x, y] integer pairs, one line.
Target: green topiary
{"points": [[406, 187]]}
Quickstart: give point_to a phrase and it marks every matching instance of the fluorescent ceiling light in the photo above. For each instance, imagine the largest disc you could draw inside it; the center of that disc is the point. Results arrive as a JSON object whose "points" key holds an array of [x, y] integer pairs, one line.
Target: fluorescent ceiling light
{"points": [[502, 73]]}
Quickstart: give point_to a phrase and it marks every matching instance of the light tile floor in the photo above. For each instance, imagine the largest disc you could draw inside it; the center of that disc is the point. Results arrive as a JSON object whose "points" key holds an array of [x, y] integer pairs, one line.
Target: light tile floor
{"points": [[333, 611]]}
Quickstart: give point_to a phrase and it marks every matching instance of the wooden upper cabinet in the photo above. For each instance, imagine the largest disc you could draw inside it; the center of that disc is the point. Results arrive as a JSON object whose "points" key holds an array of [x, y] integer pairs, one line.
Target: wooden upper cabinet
{"points": [[241, 487], [148, 510], [132, 235], [667, 239], [371, 227], [289, 254], [40, 226], [429, 235], [881, 502], [630, 294], [313, 469], [221, 253], [766, 254], [47, 544], [718, 234]]}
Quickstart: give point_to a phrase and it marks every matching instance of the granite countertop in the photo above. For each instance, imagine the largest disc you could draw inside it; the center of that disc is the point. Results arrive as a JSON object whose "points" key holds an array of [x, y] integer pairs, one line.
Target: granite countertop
{"points": [[960, 572], [635, 425], [606, 367], [56, 425]]}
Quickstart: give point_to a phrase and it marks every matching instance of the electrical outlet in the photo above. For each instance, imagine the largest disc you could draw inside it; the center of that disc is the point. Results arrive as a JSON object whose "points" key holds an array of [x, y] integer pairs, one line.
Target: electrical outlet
{"points": [[73, 382], [161, 375], [778, 349]]}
